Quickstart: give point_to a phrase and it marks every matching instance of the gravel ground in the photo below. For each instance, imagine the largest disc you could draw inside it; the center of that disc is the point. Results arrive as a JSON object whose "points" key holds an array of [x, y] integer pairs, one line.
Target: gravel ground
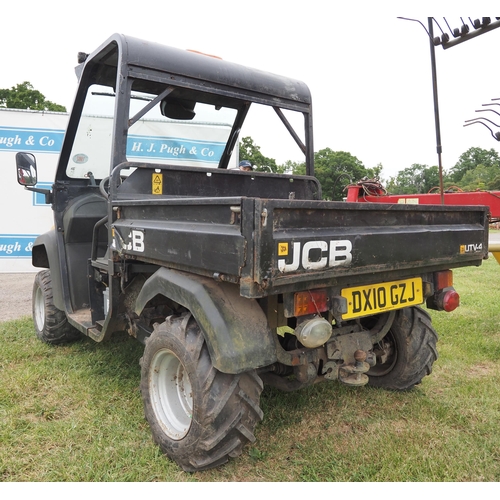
{"points": [[15, 295]]}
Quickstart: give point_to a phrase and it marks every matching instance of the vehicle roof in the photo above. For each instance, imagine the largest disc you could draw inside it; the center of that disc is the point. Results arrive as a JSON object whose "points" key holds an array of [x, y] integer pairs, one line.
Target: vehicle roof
{"points": [[178, 63]]}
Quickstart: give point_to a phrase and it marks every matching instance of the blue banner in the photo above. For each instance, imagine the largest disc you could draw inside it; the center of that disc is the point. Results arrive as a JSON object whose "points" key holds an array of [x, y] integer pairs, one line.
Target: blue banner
{"points": [[171, 148], [31, 139], [16, 245], [167, 148]]}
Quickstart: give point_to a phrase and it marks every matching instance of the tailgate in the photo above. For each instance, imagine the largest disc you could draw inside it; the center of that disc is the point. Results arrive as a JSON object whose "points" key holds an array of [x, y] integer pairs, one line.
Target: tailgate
{"points": [[308, 244]]}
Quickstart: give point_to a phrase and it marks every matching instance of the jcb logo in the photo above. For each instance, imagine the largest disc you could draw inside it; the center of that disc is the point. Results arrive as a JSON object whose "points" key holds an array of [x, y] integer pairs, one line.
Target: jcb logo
{"points": [[136, 242], [313, 255]]}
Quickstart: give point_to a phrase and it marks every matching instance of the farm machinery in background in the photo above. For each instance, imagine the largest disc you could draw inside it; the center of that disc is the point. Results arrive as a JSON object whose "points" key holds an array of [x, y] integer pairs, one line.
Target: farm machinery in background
{"points": [[372, 191]]}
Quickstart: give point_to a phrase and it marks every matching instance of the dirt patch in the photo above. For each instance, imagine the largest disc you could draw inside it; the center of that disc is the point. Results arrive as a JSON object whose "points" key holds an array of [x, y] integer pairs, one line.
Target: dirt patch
{"points": [[482, 370], [15, 295]]}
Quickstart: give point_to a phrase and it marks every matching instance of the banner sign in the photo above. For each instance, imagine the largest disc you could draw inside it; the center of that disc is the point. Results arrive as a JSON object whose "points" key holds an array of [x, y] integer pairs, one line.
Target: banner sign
{"points": [[31, 140], [16, 246], [172, 148]]}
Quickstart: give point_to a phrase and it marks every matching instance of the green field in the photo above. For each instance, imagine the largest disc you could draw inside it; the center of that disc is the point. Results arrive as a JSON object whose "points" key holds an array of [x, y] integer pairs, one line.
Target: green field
{"points": [[74, 413]]}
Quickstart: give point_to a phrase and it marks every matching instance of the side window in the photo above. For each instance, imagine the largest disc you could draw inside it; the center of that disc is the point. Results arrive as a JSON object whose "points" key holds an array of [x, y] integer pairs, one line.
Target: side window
{"points": [[279, 147], [91, 151]]}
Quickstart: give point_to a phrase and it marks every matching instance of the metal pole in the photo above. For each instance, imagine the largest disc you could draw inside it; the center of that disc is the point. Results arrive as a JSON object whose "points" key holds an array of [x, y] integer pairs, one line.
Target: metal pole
{"points": [[436, 108]]}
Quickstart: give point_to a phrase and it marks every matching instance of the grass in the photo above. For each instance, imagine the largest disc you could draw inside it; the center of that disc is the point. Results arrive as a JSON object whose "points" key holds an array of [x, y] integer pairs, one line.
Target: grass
{"points": [[74, 413]]}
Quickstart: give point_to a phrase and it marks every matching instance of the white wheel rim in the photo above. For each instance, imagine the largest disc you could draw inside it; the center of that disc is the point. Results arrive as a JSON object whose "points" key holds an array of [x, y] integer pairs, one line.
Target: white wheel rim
{"points": [[171, 394], [39, 309]]}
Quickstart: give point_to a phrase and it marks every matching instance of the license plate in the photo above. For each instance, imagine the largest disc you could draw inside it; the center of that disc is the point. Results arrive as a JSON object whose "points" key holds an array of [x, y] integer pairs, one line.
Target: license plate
{"points": [[374, 299]]}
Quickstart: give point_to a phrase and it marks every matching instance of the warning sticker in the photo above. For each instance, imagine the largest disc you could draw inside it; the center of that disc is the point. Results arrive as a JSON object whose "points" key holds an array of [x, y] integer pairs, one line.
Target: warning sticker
{"points": [[157, 183]]}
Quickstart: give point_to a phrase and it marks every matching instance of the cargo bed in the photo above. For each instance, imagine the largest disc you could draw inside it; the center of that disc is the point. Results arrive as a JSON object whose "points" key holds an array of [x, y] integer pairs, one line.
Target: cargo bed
{"points": [[279, 245]]}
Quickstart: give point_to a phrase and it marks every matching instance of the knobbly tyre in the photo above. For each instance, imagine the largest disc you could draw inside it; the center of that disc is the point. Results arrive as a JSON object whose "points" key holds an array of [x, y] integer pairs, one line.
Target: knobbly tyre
{"points": [[231, 279]]}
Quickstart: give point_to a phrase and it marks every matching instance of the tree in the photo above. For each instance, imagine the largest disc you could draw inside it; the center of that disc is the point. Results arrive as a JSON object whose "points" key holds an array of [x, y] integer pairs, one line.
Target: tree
{"points": [[375, 172], [24, 96], [251, 152], [471, 159], [481, 177], [415, 179], [335, 170], [293, 167], [494, 184]]}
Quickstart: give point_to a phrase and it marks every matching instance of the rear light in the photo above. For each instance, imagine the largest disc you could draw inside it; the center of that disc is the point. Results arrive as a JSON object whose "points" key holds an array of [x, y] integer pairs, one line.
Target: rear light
{"points": [[444, 300], [445, 297], [451, 300], [310, 302], [443, 279]]}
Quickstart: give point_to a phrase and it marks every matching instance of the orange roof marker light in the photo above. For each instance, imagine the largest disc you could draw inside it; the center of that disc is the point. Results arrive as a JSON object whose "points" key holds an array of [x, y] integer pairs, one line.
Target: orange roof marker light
{"points": [[204, 54]]}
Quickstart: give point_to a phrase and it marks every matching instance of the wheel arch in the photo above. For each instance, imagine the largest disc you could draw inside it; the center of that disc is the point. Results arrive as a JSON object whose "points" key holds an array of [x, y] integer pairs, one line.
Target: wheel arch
{"points": [[235, 328], [45, 255]]}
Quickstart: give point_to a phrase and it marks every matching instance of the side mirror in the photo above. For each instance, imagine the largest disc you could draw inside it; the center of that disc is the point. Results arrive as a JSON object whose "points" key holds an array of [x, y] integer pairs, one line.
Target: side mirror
{"points": [[26, 169]]}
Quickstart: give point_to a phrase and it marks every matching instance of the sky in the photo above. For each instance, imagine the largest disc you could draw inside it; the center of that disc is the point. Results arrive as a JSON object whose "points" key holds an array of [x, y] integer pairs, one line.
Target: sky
{"points": [[368, 71]]}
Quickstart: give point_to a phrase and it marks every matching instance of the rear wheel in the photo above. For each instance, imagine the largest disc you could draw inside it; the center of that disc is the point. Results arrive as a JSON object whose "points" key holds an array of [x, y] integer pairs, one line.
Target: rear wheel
{"points": [[406, 354], [51, 324], [199, 417]]}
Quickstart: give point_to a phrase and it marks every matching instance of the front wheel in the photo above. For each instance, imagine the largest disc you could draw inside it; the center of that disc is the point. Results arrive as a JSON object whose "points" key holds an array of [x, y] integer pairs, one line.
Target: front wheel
{"points": [[406, 354], [51, 324], [199, 417]]}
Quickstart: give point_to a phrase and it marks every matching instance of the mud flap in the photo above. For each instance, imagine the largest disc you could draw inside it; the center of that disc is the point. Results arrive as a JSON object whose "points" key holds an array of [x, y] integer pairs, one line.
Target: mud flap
{"points": [[235, 327]]}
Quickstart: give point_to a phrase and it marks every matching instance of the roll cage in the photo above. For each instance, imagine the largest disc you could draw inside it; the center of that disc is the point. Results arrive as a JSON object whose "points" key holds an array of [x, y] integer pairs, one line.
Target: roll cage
{"points": [[177, 80]]}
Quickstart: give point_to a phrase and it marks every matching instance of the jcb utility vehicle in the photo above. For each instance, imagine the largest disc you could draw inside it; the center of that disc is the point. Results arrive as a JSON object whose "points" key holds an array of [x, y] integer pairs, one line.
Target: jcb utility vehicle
{"points": [[232, 279]]}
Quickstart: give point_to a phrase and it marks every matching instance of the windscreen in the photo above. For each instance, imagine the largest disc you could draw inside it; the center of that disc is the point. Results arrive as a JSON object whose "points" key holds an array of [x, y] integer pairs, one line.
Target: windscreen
{"points": [[153, 138], [198, 142]]}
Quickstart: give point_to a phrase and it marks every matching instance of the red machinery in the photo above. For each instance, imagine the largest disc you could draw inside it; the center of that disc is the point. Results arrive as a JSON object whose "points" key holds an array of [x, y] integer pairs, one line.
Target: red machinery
{"points": [[371, 190]]}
